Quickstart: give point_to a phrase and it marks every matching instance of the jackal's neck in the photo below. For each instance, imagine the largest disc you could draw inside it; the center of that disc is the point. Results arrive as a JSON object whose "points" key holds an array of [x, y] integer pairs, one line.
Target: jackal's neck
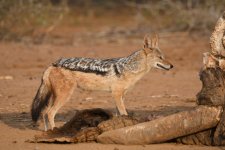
{"points": [[136, 62]]}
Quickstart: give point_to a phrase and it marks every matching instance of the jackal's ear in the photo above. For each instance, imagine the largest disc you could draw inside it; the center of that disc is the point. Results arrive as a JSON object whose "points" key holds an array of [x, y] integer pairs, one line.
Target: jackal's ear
{"points": [[146, 41], [154, 41]]}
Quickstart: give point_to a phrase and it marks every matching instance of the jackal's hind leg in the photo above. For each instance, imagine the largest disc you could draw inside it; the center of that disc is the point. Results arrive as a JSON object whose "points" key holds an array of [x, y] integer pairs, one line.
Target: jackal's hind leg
{"points": [[61, 94], [45, 116], [118, 96], [58, 102], [46, 122]]}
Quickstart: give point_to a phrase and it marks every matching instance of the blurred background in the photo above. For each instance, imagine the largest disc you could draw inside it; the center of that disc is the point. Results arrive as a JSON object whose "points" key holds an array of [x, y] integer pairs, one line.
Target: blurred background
{"points": [[71, 21]]}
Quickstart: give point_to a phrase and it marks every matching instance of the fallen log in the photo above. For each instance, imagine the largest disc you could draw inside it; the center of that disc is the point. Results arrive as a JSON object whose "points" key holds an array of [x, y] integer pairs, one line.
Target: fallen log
{"points": [[165, 128], [211, 137], [85, 126], [219, 135], [199, 138], [211, 94]]}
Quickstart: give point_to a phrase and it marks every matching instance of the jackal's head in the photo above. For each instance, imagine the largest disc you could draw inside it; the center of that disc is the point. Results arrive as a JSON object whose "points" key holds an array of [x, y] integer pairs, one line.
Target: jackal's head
{"points": [[155, 56]]}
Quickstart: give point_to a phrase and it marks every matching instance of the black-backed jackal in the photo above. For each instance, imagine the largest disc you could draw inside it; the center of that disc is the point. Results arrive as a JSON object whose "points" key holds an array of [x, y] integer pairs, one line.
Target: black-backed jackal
{"points": [[115, 75]]}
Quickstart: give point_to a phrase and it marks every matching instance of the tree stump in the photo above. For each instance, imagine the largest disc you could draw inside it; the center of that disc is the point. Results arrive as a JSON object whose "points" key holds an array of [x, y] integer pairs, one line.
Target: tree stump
{"points": [[212, 94], [213, 87]]}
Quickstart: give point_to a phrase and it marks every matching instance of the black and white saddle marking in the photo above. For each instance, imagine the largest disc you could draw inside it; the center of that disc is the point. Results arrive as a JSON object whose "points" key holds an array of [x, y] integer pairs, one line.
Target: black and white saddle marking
{"points": [[98, 66]]}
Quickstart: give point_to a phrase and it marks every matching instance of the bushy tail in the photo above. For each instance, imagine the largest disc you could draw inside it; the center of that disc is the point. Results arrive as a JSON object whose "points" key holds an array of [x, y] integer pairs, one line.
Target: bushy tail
{"points": [[40, 101]]}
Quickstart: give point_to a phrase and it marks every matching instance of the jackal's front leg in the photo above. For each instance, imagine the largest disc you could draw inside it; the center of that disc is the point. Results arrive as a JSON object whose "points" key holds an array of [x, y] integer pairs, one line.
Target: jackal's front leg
{"points": [[118, 96]]}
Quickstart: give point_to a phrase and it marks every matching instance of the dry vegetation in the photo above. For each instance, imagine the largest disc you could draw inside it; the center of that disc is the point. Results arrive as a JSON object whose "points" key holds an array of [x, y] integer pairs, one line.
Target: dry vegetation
{"points": [[21, 19]]}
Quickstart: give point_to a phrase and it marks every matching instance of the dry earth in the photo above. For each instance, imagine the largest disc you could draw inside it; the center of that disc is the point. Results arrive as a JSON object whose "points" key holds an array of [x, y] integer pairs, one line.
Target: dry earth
{"points": [[22, 65]]}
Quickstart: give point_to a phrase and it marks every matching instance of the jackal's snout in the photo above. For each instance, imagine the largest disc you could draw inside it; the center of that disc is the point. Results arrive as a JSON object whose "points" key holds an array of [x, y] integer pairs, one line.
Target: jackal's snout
{"points": [[165, 65]]}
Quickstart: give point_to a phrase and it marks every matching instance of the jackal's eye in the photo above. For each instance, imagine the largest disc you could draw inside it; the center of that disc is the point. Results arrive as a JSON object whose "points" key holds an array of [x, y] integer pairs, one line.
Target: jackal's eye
{"points": [[160, 57]]}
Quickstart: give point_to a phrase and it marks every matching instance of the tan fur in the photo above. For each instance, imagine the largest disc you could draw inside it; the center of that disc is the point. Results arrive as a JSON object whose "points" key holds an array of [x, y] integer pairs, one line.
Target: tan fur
{"points": [[63, 82]]}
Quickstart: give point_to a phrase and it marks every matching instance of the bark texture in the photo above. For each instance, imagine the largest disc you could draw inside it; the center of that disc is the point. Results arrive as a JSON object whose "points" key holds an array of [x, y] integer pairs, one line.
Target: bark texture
{"points": [[165, 128], [213, 87], [211, 94], [85, 126], [216, 39]]}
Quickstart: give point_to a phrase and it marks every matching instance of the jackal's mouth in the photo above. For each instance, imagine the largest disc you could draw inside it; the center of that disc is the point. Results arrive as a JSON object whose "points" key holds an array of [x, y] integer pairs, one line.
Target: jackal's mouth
{"points": [[163, 67]]}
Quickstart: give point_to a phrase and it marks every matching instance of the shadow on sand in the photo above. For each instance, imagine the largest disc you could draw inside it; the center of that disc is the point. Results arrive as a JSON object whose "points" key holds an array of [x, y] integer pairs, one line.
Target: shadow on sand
{"points": [[23, 120]]}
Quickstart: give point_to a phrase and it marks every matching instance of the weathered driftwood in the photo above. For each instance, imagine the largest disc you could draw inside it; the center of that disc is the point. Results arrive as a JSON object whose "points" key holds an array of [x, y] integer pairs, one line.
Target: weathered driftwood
{"points": [[211, 137], [216, 40], [199, 138], [209, 61], [213, 94], [213, 87], [219, 135], [79, 129], [85, 126], [216, 58], [165, 128]]}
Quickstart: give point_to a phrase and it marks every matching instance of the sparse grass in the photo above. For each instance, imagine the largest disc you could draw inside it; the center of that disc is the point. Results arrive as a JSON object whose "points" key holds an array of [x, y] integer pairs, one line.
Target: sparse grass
{"points": [[21, 18]]}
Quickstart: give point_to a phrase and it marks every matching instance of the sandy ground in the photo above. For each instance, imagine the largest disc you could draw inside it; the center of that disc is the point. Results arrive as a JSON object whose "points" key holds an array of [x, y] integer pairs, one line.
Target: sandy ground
{"points": [[158, 92]]}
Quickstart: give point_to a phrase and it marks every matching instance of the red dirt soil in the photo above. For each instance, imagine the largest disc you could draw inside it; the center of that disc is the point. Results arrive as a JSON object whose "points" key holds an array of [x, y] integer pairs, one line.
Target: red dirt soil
{"points": [[159, 92]]}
